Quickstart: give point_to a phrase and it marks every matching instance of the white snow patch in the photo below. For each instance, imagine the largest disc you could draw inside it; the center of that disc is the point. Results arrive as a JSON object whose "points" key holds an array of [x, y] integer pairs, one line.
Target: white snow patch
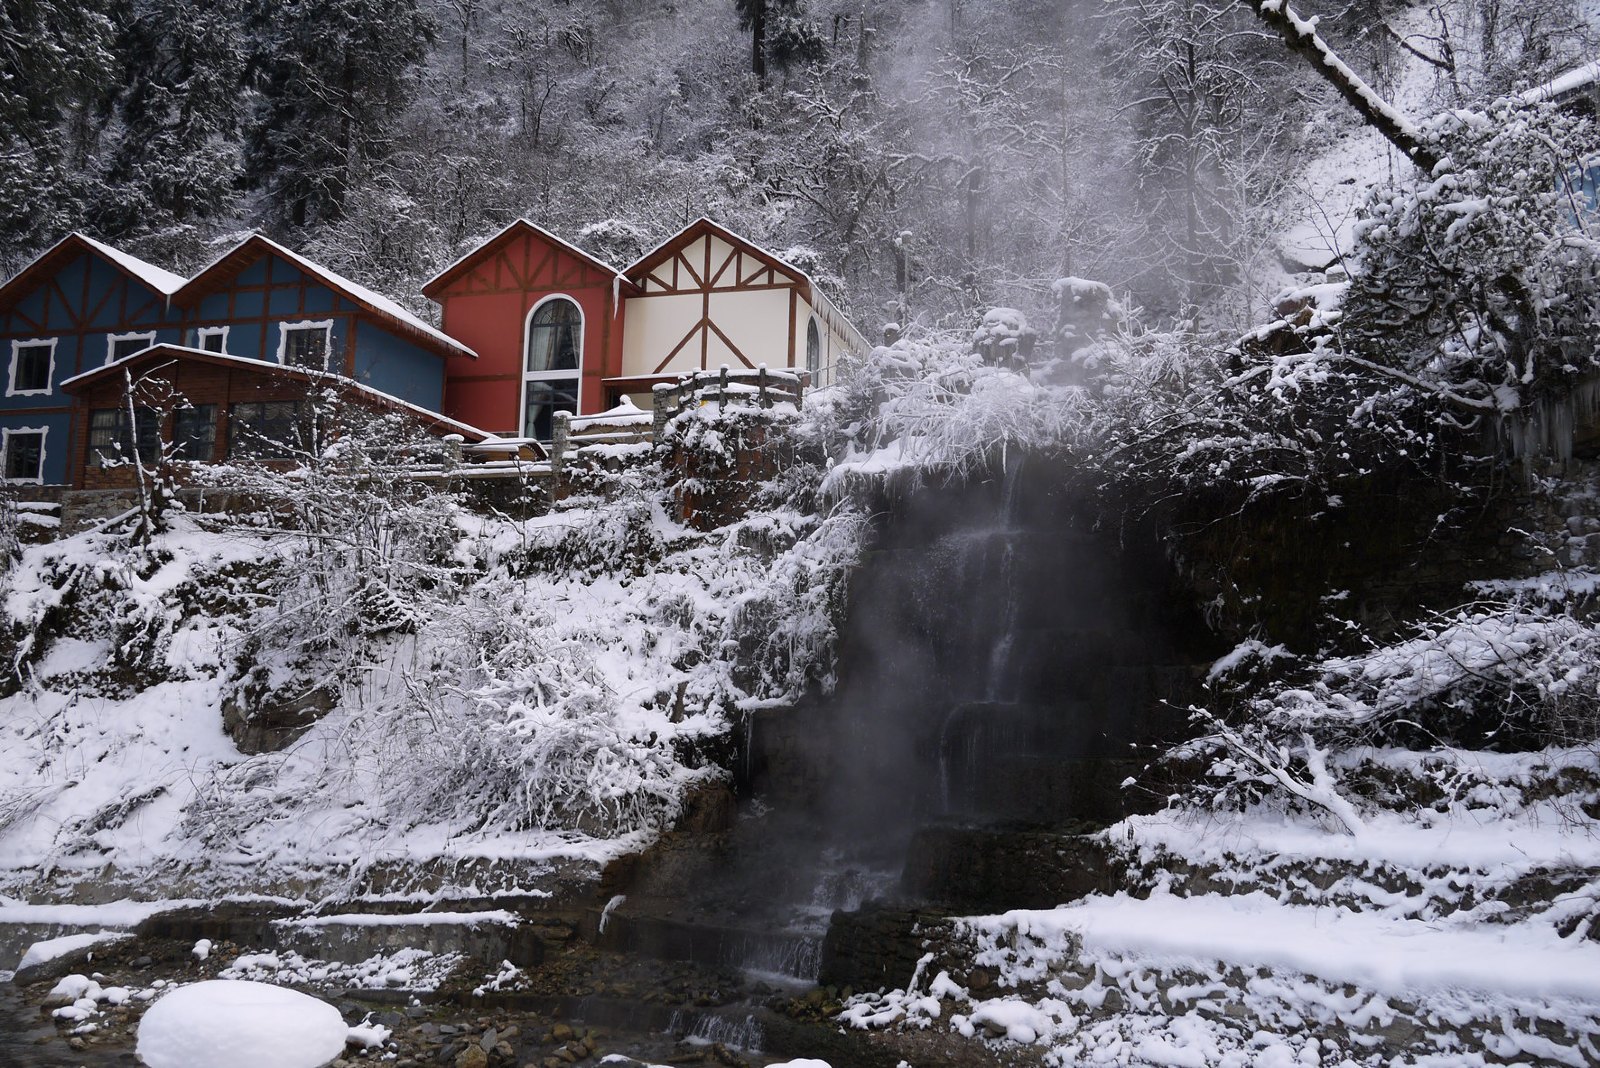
{"points": [[240, 1025], [51, 949]]}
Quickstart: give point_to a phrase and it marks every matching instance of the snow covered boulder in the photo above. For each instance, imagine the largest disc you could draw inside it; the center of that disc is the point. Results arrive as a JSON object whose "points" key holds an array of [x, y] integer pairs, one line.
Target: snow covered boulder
{"points": [[225, 1023], [1004, 336], [1086, 313], [56, 956]]}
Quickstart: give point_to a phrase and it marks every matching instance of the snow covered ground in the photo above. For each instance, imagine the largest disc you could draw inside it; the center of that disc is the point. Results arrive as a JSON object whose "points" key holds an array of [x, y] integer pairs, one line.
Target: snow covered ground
{"points": [[533, 718], [1458, 930]]}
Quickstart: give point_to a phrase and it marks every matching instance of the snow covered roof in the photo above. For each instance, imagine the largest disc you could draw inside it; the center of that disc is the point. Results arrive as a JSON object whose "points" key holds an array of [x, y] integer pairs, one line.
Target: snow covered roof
{"points": [[57, 255], [439, 281], [162, 281], [703, 226], [222, 359], [1565, 84], [219, 271]]}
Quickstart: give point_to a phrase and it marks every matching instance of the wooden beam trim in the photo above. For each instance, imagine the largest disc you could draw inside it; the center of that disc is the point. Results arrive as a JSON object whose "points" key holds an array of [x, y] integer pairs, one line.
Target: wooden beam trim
{"points": [[728, 341], [696, 328], [77, 322], [732, 259], [794, 310], [705, 335], [728, 289]]}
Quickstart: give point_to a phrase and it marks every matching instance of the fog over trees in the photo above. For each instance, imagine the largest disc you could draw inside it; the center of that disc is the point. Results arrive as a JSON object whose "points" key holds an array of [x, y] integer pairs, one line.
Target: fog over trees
{"points": [[939, 155]]}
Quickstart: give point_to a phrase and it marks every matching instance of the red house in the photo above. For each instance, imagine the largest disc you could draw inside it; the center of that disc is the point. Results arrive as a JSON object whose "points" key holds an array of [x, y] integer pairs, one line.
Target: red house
{"points": [[546, 321], [555, 329]]}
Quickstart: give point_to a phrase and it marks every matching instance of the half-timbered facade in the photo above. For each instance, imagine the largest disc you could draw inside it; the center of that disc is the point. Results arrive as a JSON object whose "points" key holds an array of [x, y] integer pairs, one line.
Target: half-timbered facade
{"points": [[557, 329], [84, 305], [708, 297], [263, 302], [77, 306], [531, 326]]}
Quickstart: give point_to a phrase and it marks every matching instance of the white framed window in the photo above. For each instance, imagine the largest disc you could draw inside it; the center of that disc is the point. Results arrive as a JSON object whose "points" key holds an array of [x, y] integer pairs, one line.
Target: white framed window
{"points": [[552, 364], [33, 367], [121, 346], [211, 338], [23, 453], [305, 344]]}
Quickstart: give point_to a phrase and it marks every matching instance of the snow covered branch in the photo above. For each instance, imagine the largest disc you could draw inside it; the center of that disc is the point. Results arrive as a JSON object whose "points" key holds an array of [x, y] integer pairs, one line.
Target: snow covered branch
{"points": [[1300, 34]]}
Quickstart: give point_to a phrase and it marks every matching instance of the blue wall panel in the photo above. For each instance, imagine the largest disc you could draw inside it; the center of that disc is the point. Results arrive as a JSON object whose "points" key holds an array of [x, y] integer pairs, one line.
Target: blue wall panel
{"points": [[399, 368]]}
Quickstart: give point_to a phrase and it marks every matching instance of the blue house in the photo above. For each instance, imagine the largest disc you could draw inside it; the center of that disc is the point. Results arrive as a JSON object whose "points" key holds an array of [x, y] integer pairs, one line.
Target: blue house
{"points": [[78, 306], [264, 302], [83, 305]]}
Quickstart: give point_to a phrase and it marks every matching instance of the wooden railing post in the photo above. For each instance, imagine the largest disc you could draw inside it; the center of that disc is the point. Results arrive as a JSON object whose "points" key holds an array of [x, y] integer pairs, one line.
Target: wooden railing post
{"points": [[762, 400], [663, 395], [561, 432], [722, 392]]}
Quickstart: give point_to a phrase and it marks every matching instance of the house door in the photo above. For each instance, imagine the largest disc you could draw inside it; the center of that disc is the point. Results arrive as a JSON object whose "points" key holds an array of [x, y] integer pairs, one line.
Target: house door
{"points": [[552, 365]]}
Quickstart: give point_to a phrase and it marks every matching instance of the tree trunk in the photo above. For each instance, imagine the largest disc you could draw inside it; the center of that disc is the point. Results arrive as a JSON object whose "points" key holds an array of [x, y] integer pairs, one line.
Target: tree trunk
{"points": [[1302, 38], [758, 41]]}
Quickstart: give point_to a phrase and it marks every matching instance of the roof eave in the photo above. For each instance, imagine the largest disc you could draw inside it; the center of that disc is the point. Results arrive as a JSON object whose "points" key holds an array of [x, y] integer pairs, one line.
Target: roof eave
{"points": [[193, 291], [447, 277]]}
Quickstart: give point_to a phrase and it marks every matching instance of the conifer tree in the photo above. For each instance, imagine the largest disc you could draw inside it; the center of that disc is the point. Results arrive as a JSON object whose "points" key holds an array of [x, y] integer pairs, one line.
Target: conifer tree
{"points": [[779, 33], [178, 156], [56, 64], [335, 76]]}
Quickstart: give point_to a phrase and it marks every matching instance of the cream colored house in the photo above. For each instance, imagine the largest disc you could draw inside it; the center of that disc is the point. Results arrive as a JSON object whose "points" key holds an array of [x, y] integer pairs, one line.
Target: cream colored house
{"points": [[706, 297]]}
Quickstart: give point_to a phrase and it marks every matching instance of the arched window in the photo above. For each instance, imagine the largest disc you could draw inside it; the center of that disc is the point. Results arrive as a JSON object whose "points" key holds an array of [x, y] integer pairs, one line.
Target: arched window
{"points": [[552, 364], [813, 351]]}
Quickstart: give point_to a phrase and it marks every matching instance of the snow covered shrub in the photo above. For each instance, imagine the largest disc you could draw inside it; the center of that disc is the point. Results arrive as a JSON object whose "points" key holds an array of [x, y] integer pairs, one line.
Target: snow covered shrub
{"points": [[120, 592], [534, 739], [10, 529], [371, 542], [921, 408], [1505, 675], [1481, 280], [719, 455], [787, 629], [1489, 674], [587, 536]]}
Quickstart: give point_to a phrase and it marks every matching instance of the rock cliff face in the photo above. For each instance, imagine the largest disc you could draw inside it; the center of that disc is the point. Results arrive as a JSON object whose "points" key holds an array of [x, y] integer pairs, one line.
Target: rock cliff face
{"points": [[1004, 670]]}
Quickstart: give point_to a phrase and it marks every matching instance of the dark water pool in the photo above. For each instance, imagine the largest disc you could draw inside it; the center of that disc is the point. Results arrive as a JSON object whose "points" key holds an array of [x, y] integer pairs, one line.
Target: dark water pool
{"points": [[21, 1028]]}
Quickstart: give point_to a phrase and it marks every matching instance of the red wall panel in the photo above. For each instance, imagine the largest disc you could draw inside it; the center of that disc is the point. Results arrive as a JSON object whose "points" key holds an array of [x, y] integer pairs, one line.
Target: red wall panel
{"points": [[486, 308]]}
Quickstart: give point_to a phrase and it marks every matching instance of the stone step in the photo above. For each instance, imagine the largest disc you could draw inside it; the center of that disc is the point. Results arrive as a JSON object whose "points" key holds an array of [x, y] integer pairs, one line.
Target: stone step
{"points": [[972, 871], [490, 937], [792, 956], [351, 937]]}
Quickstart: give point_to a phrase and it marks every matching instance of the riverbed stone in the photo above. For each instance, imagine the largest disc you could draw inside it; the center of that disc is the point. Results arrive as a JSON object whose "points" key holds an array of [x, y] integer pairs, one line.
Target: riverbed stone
{"points": [[472, 1057]]}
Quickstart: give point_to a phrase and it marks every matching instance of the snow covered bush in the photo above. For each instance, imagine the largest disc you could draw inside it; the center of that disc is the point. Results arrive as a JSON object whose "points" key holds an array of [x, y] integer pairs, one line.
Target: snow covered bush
{"points": [[1481, 280], [535, 737], [366, 543], [1508, 675], [933, 408], [787, 628]]}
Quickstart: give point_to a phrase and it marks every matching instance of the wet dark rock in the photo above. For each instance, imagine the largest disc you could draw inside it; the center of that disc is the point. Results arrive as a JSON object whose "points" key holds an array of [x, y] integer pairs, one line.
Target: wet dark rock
{"points": [[267, 722]]}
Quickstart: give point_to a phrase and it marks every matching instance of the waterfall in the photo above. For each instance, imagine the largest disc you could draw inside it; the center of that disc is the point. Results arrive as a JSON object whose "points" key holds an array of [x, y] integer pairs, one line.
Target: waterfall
{"points": [[1000, 684], [735, 1032]]}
